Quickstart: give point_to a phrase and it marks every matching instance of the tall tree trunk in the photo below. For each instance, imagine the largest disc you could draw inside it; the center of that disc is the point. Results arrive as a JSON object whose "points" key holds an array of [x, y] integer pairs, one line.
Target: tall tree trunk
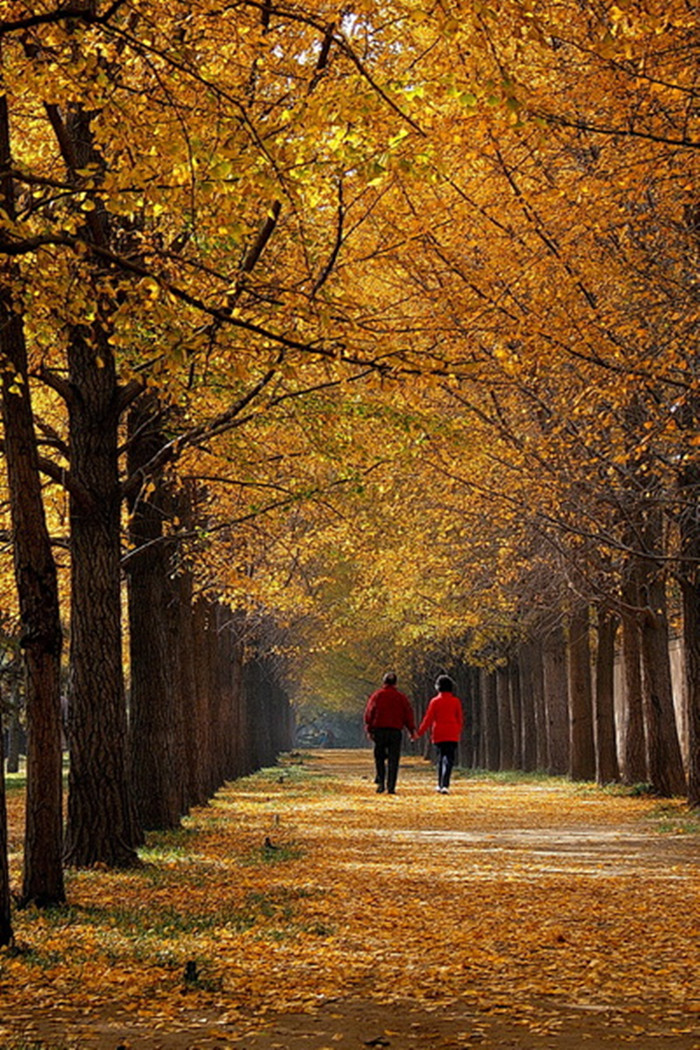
{"points": [[541, 735], [153, 723], [506, 759], [527, 657], [474, 717], [607, 768], [101, 825], [492, 736], [5, 913], [666, 774], [37, 588], [556, 701], [582, 757], [14, 731], [634, 758], [516, 715], [690, 582]]}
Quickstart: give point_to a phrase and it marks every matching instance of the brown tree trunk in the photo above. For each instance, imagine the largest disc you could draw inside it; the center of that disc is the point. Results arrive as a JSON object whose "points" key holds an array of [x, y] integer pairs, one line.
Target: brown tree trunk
{"points": [[101, 825], [556, 702], [5, 912], [634, 758], [37, 588], [475, 719], [14, 732], [505, 723], [153, 710], [607, 768], [541, 735], [527, 657], [666, 774], [516, 715], [491, 728], [690, 582], [582, 755]]}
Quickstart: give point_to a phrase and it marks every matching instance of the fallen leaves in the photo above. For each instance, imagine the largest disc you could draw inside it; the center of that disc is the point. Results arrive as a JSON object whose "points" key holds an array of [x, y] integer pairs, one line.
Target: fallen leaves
{"points": [[500, 896]]}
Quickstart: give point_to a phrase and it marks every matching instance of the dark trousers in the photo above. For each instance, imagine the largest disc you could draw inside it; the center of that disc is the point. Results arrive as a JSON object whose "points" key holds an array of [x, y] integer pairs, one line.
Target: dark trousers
{"points": [[447, 749], [387, 751]]}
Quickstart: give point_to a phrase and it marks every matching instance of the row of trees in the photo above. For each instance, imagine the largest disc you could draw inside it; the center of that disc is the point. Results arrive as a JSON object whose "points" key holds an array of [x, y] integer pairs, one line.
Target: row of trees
{"points": [[416, 290]]}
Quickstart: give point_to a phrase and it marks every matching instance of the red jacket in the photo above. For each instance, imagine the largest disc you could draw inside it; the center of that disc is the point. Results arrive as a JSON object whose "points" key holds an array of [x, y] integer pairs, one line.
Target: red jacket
{"points": [[387, 708], [445, 716]]}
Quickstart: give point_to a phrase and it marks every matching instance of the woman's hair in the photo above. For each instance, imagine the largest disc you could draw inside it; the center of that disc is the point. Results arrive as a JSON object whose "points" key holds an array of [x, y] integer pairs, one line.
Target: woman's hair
{"points": [[390, 678], [444, 684]]}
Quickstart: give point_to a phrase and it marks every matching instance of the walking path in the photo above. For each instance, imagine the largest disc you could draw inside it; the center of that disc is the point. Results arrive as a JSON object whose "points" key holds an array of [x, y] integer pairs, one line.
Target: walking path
{"points": [[316, 914]]}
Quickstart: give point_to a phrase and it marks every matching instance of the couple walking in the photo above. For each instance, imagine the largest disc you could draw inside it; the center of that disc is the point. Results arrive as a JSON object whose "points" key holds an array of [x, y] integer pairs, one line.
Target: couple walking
{"points": [[388, 713]]}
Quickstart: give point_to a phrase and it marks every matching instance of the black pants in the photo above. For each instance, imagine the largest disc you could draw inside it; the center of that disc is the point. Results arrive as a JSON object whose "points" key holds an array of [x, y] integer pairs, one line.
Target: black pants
{"points": [[447, 749], [387, 750]]}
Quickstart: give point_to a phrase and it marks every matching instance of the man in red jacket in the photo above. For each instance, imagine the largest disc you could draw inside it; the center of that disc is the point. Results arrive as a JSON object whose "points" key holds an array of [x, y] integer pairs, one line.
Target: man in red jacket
{"points": [[387, 713], [446, 718]]}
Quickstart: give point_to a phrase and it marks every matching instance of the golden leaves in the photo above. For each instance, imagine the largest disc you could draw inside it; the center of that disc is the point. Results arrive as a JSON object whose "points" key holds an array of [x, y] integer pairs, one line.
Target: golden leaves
{"points": [[534, 879]]}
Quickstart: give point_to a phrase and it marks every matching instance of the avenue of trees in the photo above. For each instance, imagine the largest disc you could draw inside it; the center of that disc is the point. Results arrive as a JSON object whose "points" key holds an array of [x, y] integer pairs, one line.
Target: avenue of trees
{"points": [[330, 332]]}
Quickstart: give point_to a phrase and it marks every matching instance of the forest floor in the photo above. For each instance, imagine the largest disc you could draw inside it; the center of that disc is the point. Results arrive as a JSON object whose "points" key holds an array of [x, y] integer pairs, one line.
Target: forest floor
{"points": [[515, 912]]}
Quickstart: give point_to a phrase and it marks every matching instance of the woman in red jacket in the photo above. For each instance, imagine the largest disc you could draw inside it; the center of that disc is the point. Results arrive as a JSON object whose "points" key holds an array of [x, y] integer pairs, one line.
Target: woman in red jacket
{"points": [[445, 716]]}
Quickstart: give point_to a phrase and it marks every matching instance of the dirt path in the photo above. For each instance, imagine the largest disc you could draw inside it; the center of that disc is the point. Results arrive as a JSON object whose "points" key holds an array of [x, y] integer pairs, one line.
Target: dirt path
{"points": [[536, 915]]}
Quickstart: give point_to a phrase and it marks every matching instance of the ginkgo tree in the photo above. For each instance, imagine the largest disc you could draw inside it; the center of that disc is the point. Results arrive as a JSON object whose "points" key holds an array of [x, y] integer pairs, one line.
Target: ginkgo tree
{"points": [[221, 211]]}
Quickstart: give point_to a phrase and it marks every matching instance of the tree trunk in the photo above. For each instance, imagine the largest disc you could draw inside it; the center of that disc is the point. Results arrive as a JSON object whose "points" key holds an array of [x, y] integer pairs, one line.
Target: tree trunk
{"points": [[634, 764], [101, 824], [516, 715], [666, 774], [556, 700], [37, 588], [541, 735], [690, 582], [505, 724], [492, 737], [14, 733], [582, 758], [527, 703], [153, 710], [5, 913], [475, 718], [607, 769]]}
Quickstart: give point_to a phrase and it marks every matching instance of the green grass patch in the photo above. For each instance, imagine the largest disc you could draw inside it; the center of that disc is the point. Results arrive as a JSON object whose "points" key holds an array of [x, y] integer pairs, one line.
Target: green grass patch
{"points": [[675, 818]]}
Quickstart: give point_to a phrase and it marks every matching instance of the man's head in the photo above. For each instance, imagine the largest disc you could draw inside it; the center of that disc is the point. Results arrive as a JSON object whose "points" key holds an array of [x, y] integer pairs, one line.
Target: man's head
{"points": [[390, 678], [444, 684]]}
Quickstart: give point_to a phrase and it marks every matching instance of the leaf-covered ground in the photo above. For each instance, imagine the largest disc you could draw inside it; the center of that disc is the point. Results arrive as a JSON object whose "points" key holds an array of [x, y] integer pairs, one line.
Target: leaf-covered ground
{"points": [[511, 913]]}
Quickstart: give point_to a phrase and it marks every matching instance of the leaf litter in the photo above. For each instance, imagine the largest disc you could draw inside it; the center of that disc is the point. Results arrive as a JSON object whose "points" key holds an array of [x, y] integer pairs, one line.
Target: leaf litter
{"points": [[508, 908]]}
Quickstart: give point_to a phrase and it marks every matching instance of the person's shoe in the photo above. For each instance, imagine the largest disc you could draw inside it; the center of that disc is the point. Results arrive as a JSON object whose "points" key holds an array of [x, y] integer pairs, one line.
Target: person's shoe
{"points": [[444, 791], [391, 791], [380, 789], [438, 788]]}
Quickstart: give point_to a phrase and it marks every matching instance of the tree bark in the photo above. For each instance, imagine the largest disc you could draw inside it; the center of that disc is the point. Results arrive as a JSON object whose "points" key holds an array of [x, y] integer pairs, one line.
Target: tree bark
{"points": [[690, 583], [14, 732], [527, 697], [556, 703], [506, 758], [474, 725], [634, 759], [5, 912], [666, 773], [582, 754], [541, 734], [516, 716], [607, 768], [154, 724], [37, 588], [491, 728], [101, 825]]}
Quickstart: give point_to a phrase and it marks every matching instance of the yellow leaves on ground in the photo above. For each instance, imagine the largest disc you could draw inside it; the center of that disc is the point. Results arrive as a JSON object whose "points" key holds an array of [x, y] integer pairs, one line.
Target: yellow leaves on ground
{"points": [[300, 885]]}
